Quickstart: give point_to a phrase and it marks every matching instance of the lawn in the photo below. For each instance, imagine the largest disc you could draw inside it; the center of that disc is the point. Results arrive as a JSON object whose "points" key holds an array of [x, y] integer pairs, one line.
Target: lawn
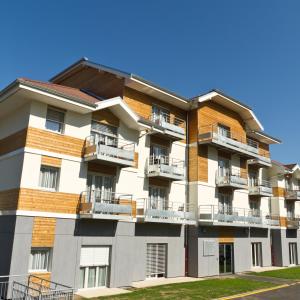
{"points": [[202, 290], [289, 273]]}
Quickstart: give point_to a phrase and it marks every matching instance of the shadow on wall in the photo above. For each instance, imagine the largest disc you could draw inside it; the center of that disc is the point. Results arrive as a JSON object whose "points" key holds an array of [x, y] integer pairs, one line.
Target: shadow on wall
{"points": [[158, 229], [95, 228]]}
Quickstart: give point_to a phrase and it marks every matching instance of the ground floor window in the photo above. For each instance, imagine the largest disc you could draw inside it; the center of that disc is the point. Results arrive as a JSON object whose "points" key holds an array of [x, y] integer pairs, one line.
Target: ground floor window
{"points": [[94, 266], [256, 249], [293, 253], [156, 260], [40, 259]]}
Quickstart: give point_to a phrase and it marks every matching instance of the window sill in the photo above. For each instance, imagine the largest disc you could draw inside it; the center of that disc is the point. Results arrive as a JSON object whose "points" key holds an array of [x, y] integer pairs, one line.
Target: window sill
{"points": [[48, 190], [55, 132]]}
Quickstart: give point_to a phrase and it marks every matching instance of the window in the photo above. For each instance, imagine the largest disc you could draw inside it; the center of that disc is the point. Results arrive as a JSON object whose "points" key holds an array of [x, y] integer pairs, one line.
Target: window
{"points": [[288, 184], [225, 204], [49, 177], [159, 155], [94, 266], [40, 259], [158, 198], [254, 208], [253, 179], [160, 115], [224, 167], [290, 209], [55, 120], [104, 134], [224, 130]]}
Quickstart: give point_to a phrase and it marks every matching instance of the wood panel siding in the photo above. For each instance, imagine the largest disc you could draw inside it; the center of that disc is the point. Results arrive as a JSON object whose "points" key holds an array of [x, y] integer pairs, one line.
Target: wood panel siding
{"points": [[210, 113], [51, 161], [193, 163], [9, 199], [105, 116], [100, 168], [283, 222], [193, 126], [132, 204], [278, 192], [13, 142], [243, 167], [158, 182], [136, 160], [57, 202], [142, 104], [203, 163], [43, 275], [100, 83], [54, 142], [154, 139], [43, 232], [264, 149]]}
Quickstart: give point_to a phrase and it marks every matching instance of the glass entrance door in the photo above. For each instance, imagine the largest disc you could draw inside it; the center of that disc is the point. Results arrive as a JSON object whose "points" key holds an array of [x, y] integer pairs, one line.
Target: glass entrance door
{"points": [[293, 253], [256, 255], [225, 258]]}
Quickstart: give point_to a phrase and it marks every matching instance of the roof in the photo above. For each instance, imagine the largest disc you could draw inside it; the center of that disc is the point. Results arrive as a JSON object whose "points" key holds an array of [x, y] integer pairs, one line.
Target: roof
{"points": [[131, 80], [60, 90], [290, 166]]}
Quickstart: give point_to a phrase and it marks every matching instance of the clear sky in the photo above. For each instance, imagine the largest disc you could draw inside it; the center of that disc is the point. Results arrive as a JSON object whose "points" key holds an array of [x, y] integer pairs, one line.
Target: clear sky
{"points": [[249, 49]]}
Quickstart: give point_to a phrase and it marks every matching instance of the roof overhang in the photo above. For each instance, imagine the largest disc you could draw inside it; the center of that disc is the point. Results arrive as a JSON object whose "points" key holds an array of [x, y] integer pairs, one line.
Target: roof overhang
{"points": [[132, 81], [122, 111], [19, 93], [243, 110], [263, 137]]}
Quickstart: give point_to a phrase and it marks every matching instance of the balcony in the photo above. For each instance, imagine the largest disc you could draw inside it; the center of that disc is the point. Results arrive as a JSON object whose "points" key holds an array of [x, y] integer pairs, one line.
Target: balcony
{"points": [[164, 167], [233, 142], [106, 205], [292, 222], [226, 178], [110, 150], [292, 195], [170, 126], [164, 211], [216, 215], [261, 188]]}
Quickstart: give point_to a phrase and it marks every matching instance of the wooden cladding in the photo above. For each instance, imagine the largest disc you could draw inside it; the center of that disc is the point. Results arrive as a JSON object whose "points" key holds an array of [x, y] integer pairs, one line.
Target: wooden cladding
{"points": [[243, 168], [142, 103], [100, 168], [283, 222], [43, 275], [51, 161], [56, 202], [278, 192], [13, 142], [198, 163], [105, 116], [9, 199], [54, 142], [136, 160], [43, 232]]}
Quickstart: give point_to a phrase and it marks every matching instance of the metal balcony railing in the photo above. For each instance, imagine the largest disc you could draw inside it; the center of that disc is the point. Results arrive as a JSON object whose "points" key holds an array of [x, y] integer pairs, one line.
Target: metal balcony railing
{"points": [[32, 287], [292, 222], [164, 166], [228, 178], [236, 216], [231, 140], [165, 211], [292, 194], [260, 187], [106, 204], [109, 148], [168, 122]]}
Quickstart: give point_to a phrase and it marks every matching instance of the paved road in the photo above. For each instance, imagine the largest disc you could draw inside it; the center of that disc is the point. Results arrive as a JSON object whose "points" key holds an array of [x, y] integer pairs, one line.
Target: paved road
{"points": [[287, 293]]}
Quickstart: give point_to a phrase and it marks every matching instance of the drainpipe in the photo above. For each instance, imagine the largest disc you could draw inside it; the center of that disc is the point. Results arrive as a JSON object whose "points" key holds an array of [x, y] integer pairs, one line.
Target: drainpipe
{"points": [[186, 192]]}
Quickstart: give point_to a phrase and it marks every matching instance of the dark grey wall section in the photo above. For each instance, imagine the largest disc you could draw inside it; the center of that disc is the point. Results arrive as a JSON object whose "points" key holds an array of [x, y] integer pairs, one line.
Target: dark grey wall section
{"points": [[193, 251], [7, 231], [128, 248], [21, 245]]}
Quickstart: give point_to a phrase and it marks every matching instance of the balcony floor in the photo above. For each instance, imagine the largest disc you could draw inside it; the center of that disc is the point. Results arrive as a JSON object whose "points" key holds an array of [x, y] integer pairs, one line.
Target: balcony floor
{"points": [[104, 159]]}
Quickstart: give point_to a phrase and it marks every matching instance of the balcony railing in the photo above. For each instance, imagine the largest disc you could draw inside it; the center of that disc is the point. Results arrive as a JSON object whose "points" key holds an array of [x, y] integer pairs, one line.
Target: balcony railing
{"points": [[259, 187], [165, 167], [164, 211], [228, 178], [292, 222], [106, 205], [173, 126], [292, 194], [109, 149], [212, 134], [235, 216]]}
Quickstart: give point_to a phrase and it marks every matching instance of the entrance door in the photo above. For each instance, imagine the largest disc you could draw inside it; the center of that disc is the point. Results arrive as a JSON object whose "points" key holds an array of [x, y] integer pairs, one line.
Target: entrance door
{"points": [[156, 260], [256, 255], [293, 253], [226, 258]]}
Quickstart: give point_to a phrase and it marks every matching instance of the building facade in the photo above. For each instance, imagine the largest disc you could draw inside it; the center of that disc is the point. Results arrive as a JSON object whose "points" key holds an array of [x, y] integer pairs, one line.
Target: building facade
{"points": [[104, 174]]}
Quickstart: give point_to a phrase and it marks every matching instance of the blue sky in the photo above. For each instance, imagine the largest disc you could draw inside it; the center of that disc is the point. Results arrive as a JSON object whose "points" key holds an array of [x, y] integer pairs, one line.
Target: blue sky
{"points": [[248, 49]]}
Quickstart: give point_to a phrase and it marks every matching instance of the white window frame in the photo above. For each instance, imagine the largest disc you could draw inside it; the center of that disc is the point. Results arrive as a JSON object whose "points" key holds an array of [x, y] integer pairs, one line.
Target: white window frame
{"points": [[86, 276], [49, 259], [62, 124], [55, 189]]}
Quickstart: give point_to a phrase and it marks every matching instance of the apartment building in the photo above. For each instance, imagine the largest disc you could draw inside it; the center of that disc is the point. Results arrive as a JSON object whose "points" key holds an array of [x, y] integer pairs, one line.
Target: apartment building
{"points": [[228, 158], [285, 203], [93, 178], [104, 174]]}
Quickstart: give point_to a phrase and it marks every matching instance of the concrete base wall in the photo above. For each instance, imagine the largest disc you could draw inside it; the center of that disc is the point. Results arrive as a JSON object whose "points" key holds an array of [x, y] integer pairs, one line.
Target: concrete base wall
{"points": [[208, 265], [128, 242]]}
